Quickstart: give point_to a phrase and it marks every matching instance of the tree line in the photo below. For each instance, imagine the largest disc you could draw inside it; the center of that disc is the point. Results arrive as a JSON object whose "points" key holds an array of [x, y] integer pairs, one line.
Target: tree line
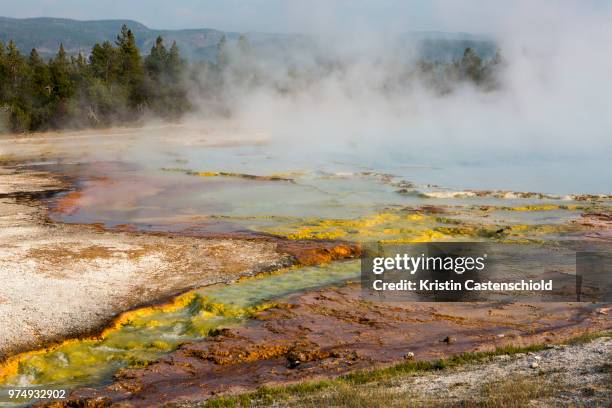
{"points": [[113, 84], [241, 68]]}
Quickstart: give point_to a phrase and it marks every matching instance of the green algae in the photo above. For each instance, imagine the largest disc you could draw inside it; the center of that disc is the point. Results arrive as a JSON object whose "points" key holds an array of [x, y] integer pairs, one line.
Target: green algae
{"points": [[273, 177], [388, 226], [400, 226]]}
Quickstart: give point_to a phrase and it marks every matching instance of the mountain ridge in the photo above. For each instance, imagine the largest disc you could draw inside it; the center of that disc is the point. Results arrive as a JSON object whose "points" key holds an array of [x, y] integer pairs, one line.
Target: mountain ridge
{"points": [[197, 44]]}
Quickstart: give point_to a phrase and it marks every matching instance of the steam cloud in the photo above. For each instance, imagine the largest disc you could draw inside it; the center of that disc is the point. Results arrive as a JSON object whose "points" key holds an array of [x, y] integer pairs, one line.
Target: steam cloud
{"points": [[552, 102], [358, 93]]}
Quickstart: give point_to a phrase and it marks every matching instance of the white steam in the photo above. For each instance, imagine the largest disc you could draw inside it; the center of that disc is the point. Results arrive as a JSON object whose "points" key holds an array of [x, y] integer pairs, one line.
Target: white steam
{"points": [[553, 100]]}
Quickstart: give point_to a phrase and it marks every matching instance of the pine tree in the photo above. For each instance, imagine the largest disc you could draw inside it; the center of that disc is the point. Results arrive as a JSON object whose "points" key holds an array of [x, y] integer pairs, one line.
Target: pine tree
{"points": [[175, 64], [155, 62], [5, 106], [3, 75], [16, 96], [131, 74], [471, 66], [104, 62], [79, 66], [14, 64], [167, 95], [41, 77], [63, 88], [40, 91]]}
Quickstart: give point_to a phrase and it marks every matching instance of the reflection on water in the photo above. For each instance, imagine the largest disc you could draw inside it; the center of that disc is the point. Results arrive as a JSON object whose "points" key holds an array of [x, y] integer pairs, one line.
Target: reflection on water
{"points": [[213, 191]]}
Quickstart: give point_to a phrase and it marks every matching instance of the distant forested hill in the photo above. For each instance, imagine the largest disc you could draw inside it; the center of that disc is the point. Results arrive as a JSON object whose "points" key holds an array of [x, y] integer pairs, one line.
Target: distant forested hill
{"points": [[45, 34]]}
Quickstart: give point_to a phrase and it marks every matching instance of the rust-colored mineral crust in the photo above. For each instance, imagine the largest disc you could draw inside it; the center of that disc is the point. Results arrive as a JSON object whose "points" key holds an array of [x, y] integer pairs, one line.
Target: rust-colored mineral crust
{"points": [[332, 331]]}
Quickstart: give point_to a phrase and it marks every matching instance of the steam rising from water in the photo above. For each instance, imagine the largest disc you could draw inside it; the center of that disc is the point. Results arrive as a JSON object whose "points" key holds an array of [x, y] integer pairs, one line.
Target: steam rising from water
{"points": [[349, 91], [552, 103]]}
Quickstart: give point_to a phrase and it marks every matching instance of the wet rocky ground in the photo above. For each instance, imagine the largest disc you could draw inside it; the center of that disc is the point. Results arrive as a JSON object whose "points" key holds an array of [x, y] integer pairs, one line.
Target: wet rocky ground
{"points": [[333, 331], [576, 375], [62, 281], [71, 280]]}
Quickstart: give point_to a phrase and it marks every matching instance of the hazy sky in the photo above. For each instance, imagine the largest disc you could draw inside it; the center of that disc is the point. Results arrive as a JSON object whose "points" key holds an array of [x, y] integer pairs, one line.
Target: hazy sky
{"points": [[477, 16]]}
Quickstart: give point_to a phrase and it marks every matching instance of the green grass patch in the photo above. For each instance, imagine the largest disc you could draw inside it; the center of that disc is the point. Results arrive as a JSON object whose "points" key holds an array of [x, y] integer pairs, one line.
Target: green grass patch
{"points": [[267, 395]]}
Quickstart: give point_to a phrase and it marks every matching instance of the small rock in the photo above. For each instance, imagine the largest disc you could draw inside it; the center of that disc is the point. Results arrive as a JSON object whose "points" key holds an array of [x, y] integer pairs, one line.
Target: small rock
{"points": [[537, 358], [293, 363], [502, 357], [409, 356], [449, 340], [501, 335], [534, 365], [295, 358]]}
